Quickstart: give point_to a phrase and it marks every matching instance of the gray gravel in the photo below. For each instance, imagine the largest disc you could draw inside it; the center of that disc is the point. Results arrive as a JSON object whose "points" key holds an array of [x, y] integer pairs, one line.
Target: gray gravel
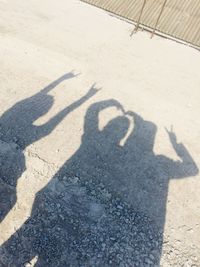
{"points": [[82, 224]]}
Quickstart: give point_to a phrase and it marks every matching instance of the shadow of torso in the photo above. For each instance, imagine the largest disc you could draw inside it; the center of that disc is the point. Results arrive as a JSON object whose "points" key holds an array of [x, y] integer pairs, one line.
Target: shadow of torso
{"points": [[18, 131], [139, 178]]}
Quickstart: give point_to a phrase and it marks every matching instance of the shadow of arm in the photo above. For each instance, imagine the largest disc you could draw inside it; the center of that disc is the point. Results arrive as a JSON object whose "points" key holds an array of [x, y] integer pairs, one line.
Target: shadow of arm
{"points": [[52, 85], [52, 123], [92, 115], [186, 167]]}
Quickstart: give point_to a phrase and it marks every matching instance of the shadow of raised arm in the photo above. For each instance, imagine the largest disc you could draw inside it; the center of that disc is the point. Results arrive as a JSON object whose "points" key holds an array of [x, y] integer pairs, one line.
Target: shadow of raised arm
{"points": [[92, 115], [186, 166], [47, 128], [52, 85]]}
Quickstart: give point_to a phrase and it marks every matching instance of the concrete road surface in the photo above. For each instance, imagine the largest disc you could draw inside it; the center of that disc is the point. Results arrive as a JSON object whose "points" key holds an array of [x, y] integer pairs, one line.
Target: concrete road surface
{"points": [[99, 141]]}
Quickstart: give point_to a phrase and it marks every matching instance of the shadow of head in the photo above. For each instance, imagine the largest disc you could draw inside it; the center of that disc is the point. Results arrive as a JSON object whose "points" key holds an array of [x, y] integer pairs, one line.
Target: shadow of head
{"points": [[116, 129], [144, 133]]}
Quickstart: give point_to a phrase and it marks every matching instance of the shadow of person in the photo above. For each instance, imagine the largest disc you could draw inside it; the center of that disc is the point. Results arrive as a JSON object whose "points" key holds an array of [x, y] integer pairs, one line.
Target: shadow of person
{"points": [[18, 131], [17, 124], [106, 206]]}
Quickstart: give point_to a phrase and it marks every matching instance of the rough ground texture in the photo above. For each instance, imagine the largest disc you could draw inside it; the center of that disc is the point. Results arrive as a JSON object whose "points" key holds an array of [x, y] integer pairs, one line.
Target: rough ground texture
{"points": [[94, 175]]}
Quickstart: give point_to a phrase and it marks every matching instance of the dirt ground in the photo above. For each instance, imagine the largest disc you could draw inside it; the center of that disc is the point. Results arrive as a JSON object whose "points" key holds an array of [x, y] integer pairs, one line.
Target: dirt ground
{"points": [[99, 141]]}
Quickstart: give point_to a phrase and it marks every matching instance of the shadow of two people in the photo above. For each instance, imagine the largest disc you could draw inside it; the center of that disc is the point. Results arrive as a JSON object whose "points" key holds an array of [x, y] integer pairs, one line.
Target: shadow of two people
{"points": [[93, 211]]}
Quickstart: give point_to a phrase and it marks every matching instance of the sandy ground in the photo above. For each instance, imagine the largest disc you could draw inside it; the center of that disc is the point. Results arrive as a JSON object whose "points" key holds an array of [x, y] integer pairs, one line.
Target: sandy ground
{"points": [[157, 79]]}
